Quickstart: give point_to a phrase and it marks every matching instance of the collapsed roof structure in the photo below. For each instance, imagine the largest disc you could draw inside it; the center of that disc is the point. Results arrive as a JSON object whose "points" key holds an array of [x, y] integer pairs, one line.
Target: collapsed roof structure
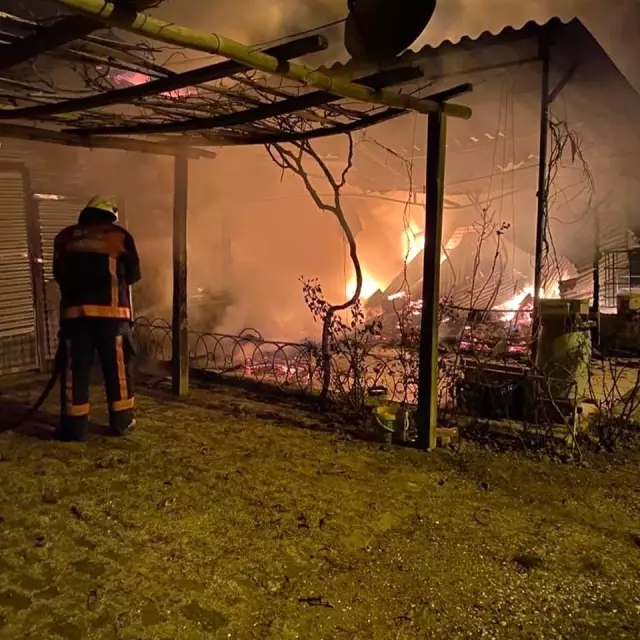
{"points": [[493, 159]]}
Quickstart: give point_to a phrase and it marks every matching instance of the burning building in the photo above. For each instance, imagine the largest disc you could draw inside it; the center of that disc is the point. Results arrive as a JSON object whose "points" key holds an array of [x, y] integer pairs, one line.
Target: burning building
{"points": [[492, 170]]}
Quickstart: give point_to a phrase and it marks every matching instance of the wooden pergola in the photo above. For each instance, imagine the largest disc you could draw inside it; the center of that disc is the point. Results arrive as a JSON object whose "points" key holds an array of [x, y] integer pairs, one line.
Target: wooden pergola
{"points": [[248, 96]]}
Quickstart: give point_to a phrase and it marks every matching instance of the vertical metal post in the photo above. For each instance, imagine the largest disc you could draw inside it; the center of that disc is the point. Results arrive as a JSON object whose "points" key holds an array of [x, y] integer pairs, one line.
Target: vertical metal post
{"points": [[542, 191], [427, 411], [179, 325], [596, 282], [596, 262]]}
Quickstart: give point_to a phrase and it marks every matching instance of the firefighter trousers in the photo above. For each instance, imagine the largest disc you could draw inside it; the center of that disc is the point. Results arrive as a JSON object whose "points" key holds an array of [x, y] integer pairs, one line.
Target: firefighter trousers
{"points": [[80, 339]]}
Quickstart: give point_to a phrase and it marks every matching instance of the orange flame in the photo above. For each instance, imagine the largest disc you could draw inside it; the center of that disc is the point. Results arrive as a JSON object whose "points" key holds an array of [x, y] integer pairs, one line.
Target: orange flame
{"points": [[512, 306], [369, 286], [412, 242]]}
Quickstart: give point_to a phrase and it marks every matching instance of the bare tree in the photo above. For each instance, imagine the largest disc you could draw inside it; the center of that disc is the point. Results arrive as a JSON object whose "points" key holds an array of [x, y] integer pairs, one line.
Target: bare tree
{"points": [[296, 157]]}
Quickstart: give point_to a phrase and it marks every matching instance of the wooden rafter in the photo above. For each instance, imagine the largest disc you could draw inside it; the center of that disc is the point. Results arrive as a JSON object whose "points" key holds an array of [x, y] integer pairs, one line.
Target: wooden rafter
{"points": [[283, 52], [60, 33], [247, 109], [148, 26], [124, 144], [263, 112]]}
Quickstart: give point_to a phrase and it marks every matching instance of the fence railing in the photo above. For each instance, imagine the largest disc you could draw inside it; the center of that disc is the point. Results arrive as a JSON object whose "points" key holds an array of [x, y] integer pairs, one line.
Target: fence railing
{"points": [[289, 366], [484, 384]]}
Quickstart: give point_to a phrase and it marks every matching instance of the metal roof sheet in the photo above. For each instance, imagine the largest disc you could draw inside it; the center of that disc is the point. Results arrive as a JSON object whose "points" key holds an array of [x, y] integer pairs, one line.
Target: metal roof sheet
{"points": [[507, 35]]}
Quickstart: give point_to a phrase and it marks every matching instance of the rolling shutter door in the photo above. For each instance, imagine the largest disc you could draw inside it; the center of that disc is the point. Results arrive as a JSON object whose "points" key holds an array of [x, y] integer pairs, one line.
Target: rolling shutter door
{"points": [[55, 215], [18, 342]]}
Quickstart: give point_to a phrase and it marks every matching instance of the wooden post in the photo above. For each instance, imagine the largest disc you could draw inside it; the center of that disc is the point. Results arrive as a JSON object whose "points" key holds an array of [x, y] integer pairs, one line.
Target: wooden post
{"points": [[180, 325], [427, 412], [541, 195]]}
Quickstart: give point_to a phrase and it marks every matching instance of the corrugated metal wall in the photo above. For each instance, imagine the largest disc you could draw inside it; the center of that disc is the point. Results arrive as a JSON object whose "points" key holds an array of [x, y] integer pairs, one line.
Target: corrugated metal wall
{"points": [[30, 219], [18, 333], [54, 215]]}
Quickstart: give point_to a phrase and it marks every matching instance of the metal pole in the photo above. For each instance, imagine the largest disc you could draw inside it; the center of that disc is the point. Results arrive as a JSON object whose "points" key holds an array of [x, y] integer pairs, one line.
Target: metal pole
{"points": [[596, 261], [427, 411], [542, 192], [180, 325]]}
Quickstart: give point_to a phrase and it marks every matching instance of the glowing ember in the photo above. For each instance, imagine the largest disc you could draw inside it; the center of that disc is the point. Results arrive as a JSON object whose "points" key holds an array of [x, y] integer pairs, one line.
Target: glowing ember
{"points": [[134, 78]]}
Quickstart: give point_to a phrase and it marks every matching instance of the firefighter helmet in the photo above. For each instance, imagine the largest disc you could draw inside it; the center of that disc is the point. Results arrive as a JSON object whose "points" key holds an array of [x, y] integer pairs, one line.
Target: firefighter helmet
{"points": [[104, 203]]}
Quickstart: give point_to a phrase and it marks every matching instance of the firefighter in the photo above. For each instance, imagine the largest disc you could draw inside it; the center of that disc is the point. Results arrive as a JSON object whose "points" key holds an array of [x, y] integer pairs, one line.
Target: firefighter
{"points": [[95, 263]]}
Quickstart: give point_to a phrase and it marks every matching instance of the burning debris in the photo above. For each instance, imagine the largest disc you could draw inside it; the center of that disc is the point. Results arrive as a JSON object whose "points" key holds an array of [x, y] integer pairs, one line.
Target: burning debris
{"points": [[489, 303], [134, 78]]}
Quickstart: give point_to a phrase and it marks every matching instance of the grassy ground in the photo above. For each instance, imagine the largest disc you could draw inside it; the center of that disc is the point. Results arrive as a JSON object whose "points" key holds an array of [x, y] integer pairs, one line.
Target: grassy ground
{"points": [[222, 518]]}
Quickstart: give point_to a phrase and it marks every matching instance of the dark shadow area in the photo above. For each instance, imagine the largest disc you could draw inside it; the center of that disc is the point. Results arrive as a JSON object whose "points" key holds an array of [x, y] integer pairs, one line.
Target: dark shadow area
{"points": [[17, 416], [246, 399], [160, 372], [40, 425]]}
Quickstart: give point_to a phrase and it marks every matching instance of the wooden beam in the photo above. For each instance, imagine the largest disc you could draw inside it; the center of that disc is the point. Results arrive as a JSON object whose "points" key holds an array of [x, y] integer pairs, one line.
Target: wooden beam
{"points": [[350, 127], [263, 112], [180, 320], [22, 132], [45, 39], [427, 410], [59, 33], [542, 194], [150, 27], [295, 49]]}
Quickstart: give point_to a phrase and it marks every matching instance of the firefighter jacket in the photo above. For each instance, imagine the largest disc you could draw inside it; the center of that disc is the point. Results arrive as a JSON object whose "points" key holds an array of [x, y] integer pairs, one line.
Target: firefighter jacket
{"points": [[94, 263]]}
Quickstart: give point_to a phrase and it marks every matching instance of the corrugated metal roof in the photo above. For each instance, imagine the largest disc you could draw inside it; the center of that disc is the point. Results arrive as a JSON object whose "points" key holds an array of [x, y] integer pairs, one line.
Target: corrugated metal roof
{"points": [[508, 34]]}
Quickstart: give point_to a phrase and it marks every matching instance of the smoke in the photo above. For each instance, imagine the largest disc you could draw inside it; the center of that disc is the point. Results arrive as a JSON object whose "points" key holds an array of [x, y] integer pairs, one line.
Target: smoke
{"points": [[253, 232], [254, 22]]}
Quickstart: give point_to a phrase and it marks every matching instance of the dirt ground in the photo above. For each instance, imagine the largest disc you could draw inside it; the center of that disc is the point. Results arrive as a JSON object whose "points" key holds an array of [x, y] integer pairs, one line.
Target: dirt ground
{"points": [[223, 517]]}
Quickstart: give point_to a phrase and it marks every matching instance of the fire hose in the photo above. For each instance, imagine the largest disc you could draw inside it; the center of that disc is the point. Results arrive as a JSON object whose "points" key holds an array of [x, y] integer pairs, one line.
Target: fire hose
{"points": [[34, 408], [58, 363]]}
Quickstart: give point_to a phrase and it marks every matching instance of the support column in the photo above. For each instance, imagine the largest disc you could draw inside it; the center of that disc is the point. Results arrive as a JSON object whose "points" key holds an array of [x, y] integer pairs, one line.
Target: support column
{"points": [[427, 412], [179, 324], [596, 261], [541, 221]]}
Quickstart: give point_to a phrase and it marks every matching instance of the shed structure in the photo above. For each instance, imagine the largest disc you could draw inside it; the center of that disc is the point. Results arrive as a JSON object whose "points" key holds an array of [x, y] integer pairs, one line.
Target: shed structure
{"points": [[74, 99]]}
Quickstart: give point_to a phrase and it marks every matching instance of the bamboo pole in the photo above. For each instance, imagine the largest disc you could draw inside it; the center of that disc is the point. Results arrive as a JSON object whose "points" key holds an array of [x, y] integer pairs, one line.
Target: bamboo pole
{"points": [[150, 27]]}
